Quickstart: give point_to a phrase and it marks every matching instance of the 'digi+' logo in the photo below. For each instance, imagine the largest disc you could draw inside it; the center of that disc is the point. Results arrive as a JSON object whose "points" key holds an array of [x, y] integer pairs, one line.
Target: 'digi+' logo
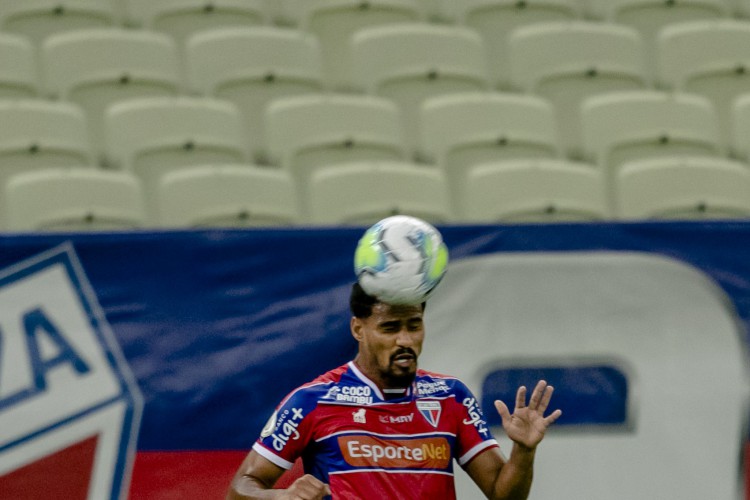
{"points": [[67, 394], [475, 416], [284, 428]]}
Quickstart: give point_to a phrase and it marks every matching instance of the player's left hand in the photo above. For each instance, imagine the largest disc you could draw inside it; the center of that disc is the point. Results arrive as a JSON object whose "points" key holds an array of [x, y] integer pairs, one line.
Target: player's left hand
{"points": [[527, 425]]}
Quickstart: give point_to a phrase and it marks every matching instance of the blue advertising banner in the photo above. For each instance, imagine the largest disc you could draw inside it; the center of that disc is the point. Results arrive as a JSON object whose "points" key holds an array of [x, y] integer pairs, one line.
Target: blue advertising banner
{"points": [[217, 326]]}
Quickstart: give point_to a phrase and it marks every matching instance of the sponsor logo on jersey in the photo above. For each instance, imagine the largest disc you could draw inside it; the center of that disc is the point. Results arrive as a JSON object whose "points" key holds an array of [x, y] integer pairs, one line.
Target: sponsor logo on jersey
{"points": [[430, 410], [475, 416], [417, 453], [270, 426], [356, 394], [359, 416], [396, 419], [425, 388], [285, 429]]}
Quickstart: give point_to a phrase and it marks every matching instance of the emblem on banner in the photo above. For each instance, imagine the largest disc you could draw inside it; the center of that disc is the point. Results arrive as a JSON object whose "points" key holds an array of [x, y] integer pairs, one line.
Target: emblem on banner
{"points": [[430, 410], [67, 393]]}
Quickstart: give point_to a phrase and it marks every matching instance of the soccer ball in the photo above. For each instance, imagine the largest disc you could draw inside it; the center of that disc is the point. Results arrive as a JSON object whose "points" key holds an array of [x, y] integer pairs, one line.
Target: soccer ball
{"points": [[400, 260]]}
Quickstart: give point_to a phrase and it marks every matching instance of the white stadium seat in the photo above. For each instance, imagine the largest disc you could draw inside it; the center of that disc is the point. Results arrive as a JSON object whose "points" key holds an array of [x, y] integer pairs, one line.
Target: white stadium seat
{"points": [[740, 128], [19, 76], [73, 199], [252, 66], [95, 68], [306, 132], [683, 188], [38, 134], [533, 190], [182, 18], [152, 136], [650, 16], [362, 193], [623, 126], [411, 62], [333, 22], [495, 20], [710, 58], [566, 62], [38, 19], [226, 196], [459, 131]]}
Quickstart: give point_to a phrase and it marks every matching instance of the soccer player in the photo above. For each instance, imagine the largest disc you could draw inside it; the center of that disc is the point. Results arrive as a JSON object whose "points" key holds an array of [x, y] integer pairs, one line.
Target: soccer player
{"points": [[380, 428]]}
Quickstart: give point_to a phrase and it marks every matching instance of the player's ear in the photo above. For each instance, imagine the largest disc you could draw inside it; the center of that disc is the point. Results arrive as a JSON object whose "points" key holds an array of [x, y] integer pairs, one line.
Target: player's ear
{"points": [[356, 327]]}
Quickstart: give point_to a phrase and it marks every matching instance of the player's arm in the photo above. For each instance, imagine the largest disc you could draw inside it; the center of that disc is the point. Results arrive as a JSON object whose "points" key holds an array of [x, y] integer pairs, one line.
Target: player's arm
{"points": [[499, 479], [257, 475], [511, 480]]}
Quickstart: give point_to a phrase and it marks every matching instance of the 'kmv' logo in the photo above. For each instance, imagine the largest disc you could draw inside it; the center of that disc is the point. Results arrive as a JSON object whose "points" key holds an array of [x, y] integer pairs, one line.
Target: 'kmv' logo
{"points": [[66, 394]]}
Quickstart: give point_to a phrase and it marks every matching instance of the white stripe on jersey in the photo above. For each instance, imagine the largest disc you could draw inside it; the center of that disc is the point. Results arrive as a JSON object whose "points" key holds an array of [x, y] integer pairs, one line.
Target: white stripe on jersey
{"points": [[366, 380], [284, 464], [475, 451], [388, 436]]}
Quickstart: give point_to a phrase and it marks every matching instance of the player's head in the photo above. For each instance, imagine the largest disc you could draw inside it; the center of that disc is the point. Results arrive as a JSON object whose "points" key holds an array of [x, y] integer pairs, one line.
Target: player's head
{"points": [[389, 336], [360, 302]]}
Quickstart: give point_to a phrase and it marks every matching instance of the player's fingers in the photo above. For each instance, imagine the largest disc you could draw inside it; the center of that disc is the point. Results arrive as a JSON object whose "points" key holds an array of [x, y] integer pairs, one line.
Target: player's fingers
{"points": [[310, 487], [521, 397], [546, 396], [503, 410], [552, 417], [536, 394]]}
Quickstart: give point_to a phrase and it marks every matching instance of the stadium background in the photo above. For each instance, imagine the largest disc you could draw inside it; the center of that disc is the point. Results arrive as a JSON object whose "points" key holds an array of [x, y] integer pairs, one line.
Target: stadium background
{"points": [[206, 317]]}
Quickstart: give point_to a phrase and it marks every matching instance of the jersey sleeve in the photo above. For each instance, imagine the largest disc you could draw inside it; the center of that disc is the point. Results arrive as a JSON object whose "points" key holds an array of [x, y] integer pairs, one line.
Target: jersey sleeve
{"points": [[473, 436], [289, 429]]}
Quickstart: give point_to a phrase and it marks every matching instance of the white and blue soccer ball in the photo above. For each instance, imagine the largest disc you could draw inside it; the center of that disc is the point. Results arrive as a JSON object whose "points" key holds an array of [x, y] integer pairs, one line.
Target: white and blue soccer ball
{"points": [[400, 260]]}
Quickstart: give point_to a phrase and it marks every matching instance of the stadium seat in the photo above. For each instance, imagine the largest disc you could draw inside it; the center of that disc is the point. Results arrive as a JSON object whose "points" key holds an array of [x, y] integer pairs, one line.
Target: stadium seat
{"points": [[710, 58], [495, 20], [38, 19], [18, 78], [742, 9], [307, 132], [333, 22], [649, 16], [152, 136], [95, 68], [459, 131], [182, 18], [73, 199], [362, 193], [683, 188], [566, 62], [740, 128], [622, 126], [533, 190], [39, 134], [226, 196], [410, 62], [255, 66]]}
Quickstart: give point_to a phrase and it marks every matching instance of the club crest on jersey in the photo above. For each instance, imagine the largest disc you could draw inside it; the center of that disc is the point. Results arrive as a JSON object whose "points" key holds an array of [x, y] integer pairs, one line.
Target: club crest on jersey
{"points": [[359, 416], [430, 410]]}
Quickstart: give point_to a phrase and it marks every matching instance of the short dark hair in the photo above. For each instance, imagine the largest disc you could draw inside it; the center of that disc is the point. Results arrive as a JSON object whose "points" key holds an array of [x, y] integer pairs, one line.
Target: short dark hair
{"points": [[360, 302]]}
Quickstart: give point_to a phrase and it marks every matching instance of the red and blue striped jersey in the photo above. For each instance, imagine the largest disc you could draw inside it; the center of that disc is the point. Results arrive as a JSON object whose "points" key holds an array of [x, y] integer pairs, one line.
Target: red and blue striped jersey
{"points": [[365, 445]]}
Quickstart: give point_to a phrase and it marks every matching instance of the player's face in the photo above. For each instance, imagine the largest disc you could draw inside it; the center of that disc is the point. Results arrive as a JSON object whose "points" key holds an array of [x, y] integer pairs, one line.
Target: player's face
{"points": [[390, 341]]}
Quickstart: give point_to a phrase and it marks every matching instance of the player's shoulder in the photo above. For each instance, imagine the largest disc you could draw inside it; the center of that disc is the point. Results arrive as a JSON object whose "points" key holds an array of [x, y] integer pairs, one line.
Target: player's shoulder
{"points": [[434, 384], [309, 393]]}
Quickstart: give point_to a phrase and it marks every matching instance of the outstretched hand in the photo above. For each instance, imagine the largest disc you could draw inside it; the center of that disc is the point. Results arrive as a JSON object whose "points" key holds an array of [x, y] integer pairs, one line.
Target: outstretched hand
{"points": [[527, 425]]}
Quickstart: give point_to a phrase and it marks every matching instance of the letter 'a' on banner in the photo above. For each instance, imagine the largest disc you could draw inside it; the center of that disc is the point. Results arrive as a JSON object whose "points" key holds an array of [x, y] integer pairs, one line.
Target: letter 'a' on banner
{"points": [[69, 406]]}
